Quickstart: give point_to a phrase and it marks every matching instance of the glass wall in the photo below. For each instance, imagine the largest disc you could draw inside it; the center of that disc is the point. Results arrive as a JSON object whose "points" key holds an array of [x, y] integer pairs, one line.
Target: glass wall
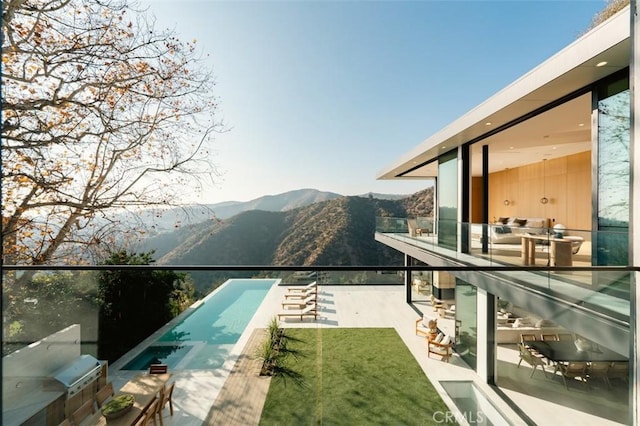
{"points": [[536, 357], [448, 200], [613, 173], [467, 322]]}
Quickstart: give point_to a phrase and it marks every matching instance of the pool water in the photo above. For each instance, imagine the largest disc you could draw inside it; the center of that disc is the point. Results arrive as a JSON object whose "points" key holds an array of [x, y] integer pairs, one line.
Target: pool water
{"points": [[204, 338]]}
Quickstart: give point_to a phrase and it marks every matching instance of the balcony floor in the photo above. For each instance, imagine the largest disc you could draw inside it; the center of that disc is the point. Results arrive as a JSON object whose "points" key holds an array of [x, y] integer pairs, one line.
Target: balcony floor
{"points": [[354, 306]]}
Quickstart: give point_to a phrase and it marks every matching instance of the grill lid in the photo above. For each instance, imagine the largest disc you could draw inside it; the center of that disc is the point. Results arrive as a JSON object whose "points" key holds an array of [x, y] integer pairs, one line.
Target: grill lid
{"points": [[76, 370]]}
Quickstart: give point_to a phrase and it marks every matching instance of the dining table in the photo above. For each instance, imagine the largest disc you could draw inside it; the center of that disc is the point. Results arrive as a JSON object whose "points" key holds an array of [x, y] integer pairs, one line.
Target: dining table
{"points": [[567, 351], [144, 387]]}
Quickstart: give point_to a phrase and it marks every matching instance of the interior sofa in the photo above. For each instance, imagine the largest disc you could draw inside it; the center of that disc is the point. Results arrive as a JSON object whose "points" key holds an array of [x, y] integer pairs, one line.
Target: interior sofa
{"points": [[510, 332], [509, 230]]}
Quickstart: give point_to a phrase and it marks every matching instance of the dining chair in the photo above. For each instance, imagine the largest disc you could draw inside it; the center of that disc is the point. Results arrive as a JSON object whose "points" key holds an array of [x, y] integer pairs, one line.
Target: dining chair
{"points": [[530, 358], [599, 370], [573, 370], [158, 369], [149, 415], [619, 370], [565, 337], [83, 412], [104, 394], [166, 396], [527, 338]]}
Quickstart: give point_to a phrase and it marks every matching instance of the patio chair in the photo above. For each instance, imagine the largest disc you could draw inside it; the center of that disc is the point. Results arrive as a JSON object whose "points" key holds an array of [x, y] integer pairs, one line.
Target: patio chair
{"points": [[530, 358], [104, 394], [573, 370], [158, 369], [444, 348], [300, 304], [426, 326], [310, 310], [302, 288], [437, 304]]}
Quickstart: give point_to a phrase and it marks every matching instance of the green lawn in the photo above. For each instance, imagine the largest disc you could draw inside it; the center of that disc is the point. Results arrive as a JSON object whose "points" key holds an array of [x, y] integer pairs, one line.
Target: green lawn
{"points": [[352, 376]]}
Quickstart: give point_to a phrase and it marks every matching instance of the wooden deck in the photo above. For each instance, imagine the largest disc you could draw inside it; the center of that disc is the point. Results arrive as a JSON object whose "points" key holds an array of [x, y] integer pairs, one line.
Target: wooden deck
{"points": [[242, 397]]}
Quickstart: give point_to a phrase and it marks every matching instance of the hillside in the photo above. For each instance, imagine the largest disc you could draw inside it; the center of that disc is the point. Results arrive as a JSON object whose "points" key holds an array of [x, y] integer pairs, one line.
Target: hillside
{"points": [[168, 219], [334, 232]]}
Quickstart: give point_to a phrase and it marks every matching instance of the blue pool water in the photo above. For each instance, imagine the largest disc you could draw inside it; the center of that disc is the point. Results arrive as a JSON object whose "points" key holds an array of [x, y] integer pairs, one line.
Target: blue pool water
{"points": [[204, 339]]}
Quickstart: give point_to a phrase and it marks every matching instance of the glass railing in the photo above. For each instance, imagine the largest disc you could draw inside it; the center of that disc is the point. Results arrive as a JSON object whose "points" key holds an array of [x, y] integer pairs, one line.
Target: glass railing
{"points": [[90, 304], [589, 267]]}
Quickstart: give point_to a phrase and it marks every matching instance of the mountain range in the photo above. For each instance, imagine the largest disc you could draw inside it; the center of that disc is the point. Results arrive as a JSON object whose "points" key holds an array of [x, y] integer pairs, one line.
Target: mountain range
{"points": [[326, 229]]}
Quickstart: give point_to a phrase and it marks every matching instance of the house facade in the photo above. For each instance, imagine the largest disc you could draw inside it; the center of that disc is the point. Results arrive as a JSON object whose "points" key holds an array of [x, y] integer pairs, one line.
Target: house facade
{"points": [[538, 180]]}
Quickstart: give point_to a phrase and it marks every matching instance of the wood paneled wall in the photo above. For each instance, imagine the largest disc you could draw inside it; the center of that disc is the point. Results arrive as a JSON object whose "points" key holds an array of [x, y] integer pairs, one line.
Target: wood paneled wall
{"points": [[565, 181]]}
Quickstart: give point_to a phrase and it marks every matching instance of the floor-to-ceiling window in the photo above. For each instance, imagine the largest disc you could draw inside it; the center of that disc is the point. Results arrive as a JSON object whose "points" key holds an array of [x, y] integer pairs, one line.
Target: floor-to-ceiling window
{"points": [[467, 321], [448, 200], [613, 171]]}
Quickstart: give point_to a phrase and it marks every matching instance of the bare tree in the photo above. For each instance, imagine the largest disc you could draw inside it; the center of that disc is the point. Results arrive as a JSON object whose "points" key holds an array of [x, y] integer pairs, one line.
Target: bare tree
{"points": [[100, 111]]}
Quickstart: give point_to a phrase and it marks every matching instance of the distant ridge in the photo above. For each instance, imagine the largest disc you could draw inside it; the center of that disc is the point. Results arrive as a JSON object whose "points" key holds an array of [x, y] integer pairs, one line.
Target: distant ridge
{"points": [[168, 220], [339, 231]]}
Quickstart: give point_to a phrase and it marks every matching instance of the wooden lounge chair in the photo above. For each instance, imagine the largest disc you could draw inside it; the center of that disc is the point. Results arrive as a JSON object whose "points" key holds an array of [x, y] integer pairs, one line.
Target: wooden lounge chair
{"points": [[310, 310], [300, 304], [301, 295], [444, 348], [302, 288]]}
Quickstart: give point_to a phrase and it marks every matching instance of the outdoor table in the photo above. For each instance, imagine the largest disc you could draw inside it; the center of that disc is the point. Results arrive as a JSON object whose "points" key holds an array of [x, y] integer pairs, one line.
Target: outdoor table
{"points": [[144, 388]]}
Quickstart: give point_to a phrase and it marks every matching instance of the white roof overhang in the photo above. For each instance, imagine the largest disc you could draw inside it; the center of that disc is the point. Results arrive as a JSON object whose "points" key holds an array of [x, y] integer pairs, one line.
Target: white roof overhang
{"points": [[568, 71]]}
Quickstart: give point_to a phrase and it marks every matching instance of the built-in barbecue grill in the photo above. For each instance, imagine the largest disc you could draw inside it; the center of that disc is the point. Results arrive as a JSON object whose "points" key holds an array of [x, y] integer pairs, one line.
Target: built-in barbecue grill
{"points": [[78, 374]]}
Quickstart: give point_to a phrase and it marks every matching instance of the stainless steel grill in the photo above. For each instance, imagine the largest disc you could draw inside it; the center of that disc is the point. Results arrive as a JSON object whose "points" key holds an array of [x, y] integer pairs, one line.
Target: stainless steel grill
{"points": [[78, 374]]}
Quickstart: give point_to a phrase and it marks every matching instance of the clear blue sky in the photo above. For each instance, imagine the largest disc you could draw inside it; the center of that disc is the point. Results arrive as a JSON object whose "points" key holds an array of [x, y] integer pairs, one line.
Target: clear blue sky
{"points": [[325, 94]]}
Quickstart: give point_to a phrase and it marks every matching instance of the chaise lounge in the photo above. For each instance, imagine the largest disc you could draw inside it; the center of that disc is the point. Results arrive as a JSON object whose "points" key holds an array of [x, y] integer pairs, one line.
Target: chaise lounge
{"points": [[311, 310], [300, 304], [301, 295], [302, 288]]}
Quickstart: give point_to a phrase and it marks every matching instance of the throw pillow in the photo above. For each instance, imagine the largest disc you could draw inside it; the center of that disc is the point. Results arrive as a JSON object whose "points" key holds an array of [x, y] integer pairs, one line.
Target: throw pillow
{"points": [[503, 220], [520, 222]]}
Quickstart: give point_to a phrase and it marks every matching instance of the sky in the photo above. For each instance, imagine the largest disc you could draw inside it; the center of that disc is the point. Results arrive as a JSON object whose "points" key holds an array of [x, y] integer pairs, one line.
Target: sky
{"points": [[326, 94]]}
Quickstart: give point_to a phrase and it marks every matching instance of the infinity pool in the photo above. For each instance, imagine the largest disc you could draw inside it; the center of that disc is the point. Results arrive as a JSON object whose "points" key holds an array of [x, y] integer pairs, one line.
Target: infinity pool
{"points": [[204, 338]]}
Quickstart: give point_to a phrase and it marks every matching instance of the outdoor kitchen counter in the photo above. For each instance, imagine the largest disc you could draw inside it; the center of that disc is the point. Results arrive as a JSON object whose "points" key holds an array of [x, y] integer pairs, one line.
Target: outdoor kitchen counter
{"points": [[30, 397]]}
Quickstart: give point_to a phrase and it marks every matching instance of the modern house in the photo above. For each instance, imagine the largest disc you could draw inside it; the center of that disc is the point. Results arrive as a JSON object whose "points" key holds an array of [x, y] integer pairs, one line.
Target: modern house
{"points": [[538, 179]]}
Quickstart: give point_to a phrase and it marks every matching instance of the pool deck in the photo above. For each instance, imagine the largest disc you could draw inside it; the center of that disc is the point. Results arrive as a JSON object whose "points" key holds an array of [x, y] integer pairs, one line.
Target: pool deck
{"points": [[239, 394]]}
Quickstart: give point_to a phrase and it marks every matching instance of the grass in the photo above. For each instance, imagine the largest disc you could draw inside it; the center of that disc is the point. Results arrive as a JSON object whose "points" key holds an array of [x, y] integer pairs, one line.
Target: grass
{"points": [[364, 376]]}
